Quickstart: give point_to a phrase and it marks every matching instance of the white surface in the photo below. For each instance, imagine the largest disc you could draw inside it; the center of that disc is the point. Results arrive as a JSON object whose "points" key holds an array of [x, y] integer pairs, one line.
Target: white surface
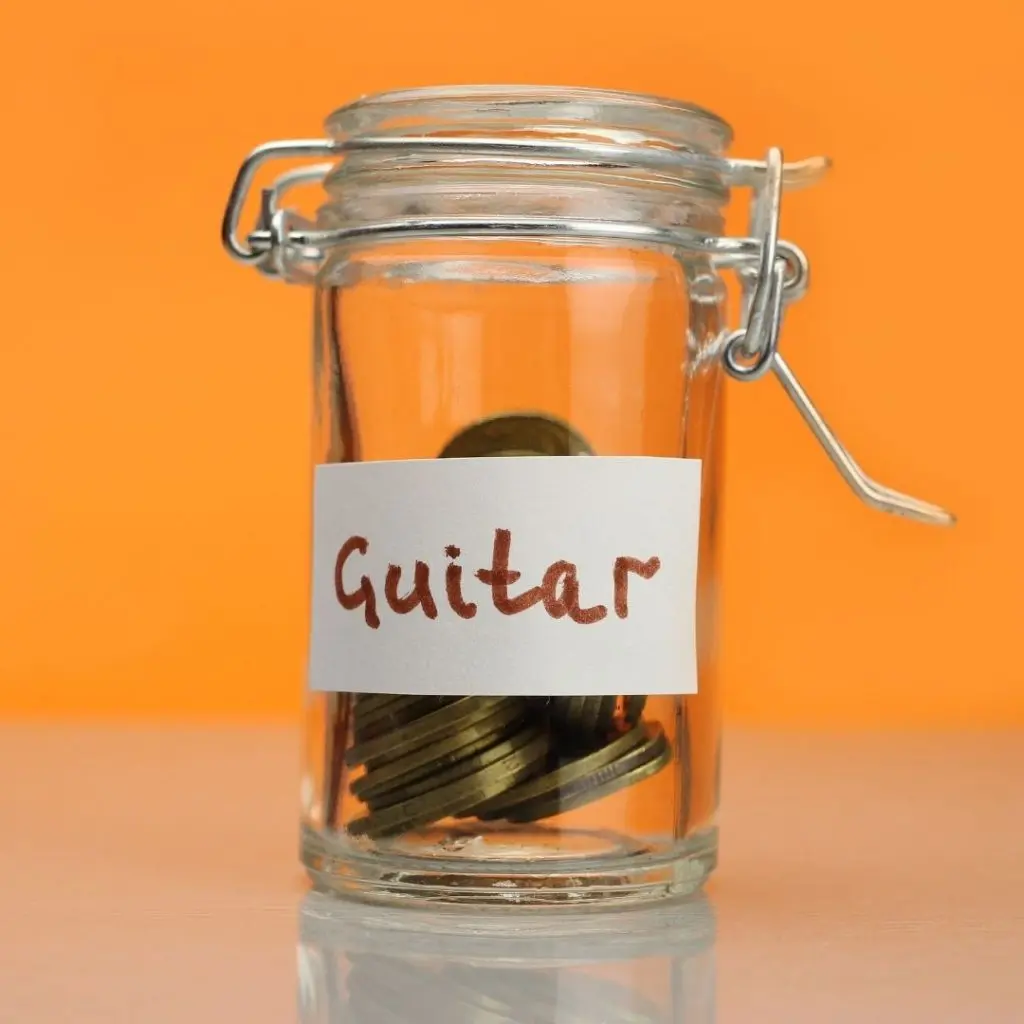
{"points": [[585, 511], [151, 875]]}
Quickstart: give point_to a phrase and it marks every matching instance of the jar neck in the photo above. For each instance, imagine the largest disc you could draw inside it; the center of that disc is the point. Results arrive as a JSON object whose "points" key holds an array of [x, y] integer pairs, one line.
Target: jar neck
{"points": [[527, 152], [594, 113]]}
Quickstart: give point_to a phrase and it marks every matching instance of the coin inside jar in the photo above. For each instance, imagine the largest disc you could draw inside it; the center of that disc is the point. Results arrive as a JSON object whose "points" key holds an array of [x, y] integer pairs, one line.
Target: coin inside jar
{"points": [[471, 765], [559, 776], [643, 761], [366, 703], [454, 798], [385, 718], [403, 766], [516, 434], [587, 721], [419, 731], [582, 717]]}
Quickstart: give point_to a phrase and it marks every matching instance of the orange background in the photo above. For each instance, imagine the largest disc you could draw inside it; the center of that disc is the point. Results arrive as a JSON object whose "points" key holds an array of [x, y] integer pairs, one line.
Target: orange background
{"points": [[154, 396]]}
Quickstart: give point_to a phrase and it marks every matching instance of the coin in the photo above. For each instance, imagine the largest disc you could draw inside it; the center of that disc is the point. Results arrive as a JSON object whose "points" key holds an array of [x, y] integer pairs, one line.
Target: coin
{"points": [[368, 703], [606, 715], [590, 718], [388, 717], [590, 715], [516, 434], [414, 734], [447, 800], [551, 783], [643, 761], [578, 714], [410, 742], [444, 750], [575, 713], [465, 766]]}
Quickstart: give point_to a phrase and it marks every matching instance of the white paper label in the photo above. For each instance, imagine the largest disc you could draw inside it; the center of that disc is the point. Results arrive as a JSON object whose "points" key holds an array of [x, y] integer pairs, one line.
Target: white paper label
{"points": [[506, 576]]}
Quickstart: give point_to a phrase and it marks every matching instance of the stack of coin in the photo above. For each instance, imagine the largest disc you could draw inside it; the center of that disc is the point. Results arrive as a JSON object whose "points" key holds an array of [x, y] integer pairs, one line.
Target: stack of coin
{"points": [[427, 758], [513, 758], [590, 719], [570, 782]]}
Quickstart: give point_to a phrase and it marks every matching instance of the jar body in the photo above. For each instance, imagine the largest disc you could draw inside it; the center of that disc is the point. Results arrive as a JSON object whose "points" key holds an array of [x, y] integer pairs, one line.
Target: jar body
{"points": [[513, 685], [468, 348]]}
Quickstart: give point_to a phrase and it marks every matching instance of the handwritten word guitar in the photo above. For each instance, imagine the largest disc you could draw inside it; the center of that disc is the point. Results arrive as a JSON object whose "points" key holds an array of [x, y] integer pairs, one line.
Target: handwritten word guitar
{"points": [[558, 591]]}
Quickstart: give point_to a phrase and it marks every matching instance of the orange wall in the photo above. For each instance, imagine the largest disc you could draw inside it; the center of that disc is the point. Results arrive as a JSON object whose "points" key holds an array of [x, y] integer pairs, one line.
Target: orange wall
{"points": [[154, 397]]}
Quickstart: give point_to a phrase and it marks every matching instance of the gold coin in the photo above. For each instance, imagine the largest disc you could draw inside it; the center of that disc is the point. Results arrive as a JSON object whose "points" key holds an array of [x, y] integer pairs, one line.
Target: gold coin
{"points": [[451, 799], [548, 785], [516, 434], [368, 703], [388, 717], [367, 707], [405, 745], [441, 752], [410, 736], [471, 765], [590, 715], [639, 764], [586, 718], [576, 713], [606, 715]]}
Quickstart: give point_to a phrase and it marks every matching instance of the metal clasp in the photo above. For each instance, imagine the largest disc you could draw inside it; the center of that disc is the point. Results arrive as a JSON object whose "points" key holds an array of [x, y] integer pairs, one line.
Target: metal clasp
{"points": [[286, 245], [267, 246], [752, 350]]}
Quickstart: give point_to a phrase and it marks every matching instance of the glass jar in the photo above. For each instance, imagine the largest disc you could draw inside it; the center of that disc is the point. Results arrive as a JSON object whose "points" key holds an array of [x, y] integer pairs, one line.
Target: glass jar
{"points": [[513, 687]]}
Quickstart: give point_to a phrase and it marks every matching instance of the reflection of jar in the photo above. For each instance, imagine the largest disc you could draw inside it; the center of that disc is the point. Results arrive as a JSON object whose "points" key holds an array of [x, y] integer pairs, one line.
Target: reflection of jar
{"points": [[363, 964], [505, 652]]}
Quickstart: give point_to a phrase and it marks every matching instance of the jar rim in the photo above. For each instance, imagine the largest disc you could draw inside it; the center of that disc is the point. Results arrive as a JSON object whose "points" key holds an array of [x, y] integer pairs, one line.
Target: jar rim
{"points": [[674, 121]]}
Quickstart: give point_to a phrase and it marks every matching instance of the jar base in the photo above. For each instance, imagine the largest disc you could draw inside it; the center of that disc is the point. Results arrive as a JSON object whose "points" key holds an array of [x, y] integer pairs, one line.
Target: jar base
{"points": [[527, 866]]}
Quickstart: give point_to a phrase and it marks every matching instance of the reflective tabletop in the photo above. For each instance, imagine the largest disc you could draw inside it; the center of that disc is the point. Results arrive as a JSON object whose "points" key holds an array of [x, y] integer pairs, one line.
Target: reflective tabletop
{"points": [[151, 874]]}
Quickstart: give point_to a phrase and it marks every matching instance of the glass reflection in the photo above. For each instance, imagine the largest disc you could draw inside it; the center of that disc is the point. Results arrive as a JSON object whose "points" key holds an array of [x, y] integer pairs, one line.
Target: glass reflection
{"points": [[364, 964]]}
